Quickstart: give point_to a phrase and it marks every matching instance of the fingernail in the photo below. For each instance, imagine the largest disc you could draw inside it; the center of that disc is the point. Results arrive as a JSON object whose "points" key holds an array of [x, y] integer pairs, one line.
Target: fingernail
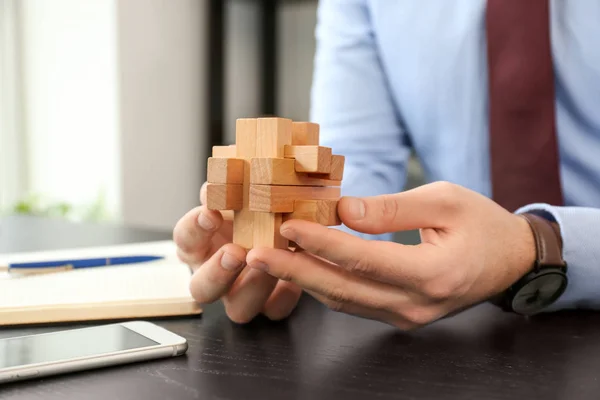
{"points": [[205, 222], [229, 262], [260, 265], [356, 208]]}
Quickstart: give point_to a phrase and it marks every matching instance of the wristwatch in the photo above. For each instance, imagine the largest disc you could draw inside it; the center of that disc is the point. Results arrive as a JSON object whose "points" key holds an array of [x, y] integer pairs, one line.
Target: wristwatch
{"points": [[547, 280]]}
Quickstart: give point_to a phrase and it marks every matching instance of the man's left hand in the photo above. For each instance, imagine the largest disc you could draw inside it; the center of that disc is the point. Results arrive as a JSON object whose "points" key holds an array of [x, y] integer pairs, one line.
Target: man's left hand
{"points": [[471, 249]]}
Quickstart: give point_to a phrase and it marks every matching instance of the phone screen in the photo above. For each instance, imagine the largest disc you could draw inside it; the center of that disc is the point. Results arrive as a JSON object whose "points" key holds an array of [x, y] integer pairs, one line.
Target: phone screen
{"points": [[65, 345]]}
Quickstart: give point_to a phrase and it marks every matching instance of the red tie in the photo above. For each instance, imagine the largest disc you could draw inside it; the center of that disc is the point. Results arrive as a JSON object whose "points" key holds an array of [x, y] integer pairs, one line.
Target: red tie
{"points": [[523, 144]]}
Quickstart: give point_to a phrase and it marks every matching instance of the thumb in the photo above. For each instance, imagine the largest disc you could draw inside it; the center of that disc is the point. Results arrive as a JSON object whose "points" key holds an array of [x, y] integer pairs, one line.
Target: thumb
{"points": [[428, 206]]}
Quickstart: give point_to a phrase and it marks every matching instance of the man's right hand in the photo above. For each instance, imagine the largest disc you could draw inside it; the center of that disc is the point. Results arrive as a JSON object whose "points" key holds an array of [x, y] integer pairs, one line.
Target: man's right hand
{"points": [[204, 242]]}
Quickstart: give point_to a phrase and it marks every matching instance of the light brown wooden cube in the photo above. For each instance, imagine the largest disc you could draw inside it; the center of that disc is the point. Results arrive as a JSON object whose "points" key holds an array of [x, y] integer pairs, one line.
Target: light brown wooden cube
{"points": [[266, 231], [305, 133], [280, 199], [226, 170], [323, 212], [275, 171], [272, 134], [224, 151], [222, 196], [337, 168], [310, 158], [281, 171]]}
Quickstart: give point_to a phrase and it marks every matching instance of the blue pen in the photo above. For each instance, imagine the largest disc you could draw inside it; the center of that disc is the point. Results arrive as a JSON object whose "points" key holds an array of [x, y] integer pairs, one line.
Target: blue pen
{"points": [[65, 265]]}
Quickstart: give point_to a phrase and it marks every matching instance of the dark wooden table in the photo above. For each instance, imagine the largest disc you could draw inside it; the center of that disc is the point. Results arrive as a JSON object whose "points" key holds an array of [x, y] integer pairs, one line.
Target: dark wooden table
{"points": [[318, 354]]}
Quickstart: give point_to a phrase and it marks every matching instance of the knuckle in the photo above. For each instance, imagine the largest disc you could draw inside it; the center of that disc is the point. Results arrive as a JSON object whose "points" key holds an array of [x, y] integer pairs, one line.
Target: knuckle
{"points": [[278, 312], [178, 235], [238, 315], [285, 274], [203, 193], [388, 208], [404, 325], [447, 195], [360, 266], [184, 237], [219, 278], [192, 260], [451, 283], [182, 256], [199, 294], [457, 281], [445, 187], [274, 314], [335, 306], [438, 289], [337, 295], [418, 316], [317, 247]]}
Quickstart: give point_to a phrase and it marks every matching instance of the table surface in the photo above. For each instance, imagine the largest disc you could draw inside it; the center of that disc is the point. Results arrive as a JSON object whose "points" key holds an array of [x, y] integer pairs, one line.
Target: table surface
{"points": [[481, 353]]}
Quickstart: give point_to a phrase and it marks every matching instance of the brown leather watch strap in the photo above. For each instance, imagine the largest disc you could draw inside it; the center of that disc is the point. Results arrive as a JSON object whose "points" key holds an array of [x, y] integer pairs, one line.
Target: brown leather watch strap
{"points": [[548, 241]]}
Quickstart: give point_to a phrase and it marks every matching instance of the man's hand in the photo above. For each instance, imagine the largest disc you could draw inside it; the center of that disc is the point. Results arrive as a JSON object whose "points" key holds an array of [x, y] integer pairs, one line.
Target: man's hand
{"points": [[471, 250], [203, 241]]}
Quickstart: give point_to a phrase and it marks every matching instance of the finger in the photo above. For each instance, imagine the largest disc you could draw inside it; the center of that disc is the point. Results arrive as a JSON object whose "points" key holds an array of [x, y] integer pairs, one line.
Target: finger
{"points": [[203, 193], [326, 279], [401, 265], [218, 274], [363, 312], [194, 231], [428, 206], [282, 301], [248, 295]]}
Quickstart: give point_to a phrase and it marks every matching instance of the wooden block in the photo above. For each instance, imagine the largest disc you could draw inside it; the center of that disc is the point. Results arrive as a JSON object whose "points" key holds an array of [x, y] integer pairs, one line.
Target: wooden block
{"points": [[305, 133], [226, 170], [266, 231], [281, 171], [280, 199], [243, 220], [323, 212], [337, 167], [310, 158], [224, 151], [221, 196], [272, 134]]}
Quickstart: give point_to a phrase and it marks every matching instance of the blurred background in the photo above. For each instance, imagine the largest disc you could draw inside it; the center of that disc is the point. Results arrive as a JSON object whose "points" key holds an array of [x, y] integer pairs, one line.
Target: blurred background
{"points": [[109, 108]]}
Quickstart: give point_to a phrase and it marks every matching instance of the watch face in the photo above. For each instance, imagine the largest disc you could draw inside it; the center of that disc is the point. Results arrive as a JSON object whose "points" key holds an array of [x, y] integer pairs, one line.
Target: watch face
{"points": [[539, 292]]}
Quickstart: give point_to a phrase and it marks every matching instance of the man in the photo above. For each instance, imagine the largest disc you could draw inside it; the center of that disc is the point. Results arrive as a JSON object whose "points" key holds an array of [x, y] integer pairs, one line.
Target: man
{"points": [[501, 101]]}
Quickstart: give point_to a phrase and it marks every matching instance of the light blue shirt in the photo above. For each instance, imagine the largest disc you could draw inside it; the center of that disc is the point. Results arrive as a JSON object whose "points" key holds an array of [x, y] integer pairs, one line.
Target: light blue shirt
{"points": [[391, 75]]}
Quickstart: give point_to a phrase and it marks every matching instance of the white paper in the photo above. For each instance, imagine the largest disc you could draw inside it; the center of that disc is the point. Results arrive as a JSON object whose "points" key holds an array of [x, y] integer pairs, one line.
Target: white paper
{"points": [[164, 279]]}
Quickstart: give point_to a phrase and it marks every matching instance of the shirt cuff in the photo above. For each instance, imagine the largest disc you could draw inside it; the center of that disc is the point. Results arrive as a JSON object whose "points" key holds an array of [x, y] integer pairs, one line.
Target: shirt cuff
{"points": [[580, 230]]}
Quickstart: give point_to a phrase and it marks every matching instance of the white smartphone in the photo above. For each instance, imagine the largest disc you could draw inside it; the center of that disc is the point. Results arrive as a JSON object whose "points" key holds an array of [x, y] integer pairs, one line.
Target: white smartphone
{"points": [[53, 353]]}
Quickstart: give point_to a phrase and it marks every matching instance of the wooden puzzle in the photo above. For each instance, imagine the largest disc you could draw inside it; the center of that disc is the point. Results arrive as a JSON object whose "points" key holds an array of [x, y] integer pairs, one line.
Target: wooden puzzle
{"points": [[275, 171]]}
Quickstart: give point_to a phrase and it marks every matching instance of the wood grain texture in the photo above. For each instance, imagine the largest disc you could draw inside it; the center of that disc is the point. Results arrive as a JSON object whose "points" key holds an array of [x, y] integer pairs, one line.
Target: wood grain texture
{"points": [[305, 133], [310, 158], [318, 354], [266, 231], [281, 171], [243, 220], [225, 170], [224, 151], [322, 212], [280, 199], [272, 135], [337, 167], [221, 196]]}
